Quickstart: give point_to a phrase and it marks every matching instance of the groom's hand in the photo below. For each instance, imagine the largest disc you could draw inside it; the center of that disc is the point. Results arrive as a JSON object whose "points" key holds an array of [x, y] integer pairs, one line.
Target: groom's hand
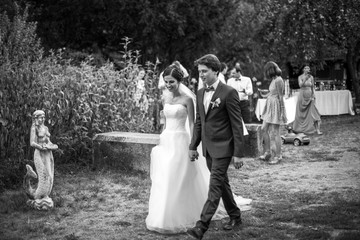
{"points": [[238, 163], [193, 154]]}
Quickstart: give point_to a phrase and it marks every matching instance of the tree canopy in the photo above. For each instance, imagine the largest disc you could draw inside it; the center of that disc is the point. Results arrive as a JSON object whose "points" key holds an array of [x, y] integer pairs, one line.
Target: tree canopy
{"points": [[302, 31], [247, 31]]}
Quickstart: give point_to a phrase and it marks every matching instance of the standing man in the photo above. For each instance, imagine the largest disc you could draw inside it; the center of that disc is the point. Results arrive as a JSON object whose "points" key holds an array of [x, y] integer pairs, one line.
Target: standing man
{"points": [[217, 125], [243, 86], [222, 73]]}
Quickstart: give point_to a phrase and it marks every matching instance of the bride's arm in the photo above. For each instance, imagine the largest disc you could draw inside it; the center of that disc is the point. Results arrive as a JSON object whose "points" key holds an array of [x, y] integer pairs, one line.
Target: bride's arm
{"points": [[162, 115], [191, 114]]}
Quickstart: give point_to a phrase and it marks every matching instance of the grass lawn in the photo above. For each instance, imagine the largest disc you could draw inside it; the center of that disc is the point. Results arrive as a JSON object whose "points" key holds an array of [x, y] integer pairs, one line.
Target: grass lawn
{"points": [[314, 193]]}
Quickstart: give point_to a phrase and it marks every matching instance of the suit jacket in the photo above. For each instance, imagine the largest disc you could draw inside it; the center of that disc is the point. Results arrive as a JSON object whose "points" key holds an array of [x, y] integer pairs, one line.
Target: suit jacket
{"points": [[220, 129]]}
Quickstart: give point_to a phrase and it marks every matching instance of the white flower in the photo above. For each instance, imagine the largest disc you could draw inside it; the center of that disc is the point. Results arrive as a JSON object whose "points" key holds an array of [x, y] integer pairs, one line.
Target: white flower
{"points": [[215, 103]]}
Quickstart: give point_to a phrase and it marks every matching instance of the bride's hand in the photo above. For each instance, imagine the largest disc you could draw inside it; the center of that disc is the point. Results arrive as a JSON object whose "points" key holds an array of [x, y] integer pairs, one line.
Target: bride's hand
{"points": [[238, 163]]}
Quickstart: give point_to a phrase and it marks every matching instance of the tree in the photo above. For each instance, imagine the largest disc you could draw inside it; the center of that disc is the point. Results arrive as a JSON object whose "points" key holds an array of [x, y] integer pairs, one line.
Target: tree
{"points": [[164, 29], [342, 29], [236, 42], [303, 30], [184, 30]]}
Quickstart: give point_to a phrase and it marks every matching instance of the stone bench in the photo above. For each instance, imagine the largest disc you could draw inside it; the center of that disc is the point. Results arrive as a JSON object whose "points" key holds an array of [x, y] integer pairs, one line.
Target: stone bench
{"points": [[131, 151]]}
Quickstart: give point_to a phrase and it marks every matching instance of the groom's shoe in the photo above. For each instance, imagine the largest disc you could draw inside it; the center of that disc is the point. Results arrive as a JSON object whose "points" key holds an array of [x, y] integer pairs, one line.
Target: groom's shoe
{"points": [[232, 224], [195, 233]]}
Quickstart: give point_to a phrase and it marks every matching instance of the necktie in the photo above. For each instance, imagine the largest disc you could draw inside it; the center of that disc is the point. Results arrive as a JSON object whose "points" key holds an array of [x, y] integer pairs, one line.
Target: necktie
{"points": [[209, 89]]}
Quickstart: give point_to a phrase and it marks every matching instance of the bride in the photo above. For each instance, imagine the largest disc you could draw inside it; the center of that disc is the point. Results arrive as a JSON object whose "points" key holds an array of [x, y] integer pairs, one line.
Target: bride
{"points": [[179, 187]]}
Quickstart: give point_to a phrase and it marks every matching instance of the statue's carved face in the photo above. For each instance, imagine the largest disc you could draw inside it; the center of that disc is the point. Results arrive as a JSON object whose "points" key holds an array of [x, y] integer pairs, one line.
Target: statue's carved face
{"points": [[39, 120]]}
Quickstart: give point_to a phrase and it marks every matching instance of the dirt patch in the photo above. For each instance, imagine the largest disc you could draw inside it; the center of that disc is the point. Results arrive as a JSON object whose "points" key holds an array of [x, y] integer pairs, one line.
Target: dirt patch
{"points": [[312, 194]]}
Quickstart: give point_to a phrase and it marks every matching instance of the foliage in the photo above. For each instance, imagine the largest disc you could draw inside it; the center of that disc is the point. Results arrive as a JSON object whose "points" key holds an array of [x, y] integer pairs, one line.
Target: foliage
{"points": [[342, 30], [247, 31], [301, 31], [167, 30], [235, 42], [79, 101]]}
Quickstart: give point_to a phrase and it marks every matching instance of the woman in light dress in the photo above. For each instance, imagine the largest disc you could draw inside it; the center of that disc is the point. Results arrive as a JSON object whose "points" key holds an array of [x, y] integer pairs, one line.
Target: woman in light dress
{"points": [[179, 187], [273, 114], [140, 91], [307, 117]]}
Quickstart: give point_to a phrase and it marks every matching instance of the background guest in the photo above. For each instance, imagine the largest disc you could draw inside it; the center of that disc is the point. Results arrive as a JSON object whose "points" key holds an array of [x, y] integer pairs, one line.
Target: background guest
{"points": [[273, 115], [243, 86], [233, 73], [222, 73], [254, 98], [140, 97], [307, 117]]}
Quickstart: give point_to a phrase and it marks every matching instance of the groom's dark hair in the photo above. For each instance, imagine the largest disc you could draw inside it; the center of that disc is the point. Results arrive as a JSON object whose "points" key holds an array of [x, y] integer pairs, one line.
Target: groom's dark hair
{"points": [[211, 61]]}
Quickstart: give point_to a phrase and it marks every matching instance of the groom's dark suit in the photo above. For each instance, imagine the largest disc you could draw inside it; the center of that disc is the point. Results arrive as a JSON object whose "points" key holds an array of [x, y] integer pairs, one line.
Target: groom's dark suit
{"points": [[220, 130]]}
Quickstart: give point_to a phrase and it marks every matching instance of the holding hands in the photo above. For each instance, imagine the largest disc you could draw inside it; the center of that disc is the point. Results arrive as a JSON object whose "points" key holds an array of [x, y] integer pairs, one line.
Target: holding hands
{"points": [[193, 155]]}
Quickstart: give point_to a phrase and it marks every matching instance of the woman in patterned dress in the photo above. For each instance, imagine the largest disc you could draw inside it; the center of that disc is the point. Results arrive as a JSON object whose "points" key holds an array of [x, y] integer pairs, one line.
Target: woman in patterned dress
{"points": [[140, 97], [273, 115]]}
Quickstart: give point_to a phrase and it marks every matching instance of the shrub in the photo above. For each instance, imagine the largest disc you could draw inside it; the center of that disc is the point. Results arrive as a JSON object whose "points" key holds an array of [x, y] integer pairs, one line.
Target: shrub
{"points": [[79, 101]]}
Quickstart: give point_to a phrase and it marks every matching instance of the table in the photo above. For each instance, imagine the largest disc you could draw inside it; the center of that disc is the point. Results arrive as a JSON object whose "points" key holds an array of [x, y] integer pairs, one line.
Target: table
{"points": [[327, 102], [334, 102]]}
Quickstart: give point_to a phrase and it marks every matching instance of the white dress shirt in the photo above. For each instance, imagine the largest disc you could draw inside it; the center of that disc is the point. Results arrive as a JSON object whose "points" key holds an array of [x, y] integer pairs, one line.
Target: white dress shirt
{"points": [[208, 95], [240, 85]]}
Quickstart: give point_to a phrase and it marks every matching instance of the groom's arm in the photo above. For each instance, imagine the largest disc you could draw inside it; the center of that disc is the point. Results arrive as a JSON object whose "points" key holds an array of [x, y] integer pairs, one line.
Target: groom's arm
{"points": [[234, 111], [196, 137]]}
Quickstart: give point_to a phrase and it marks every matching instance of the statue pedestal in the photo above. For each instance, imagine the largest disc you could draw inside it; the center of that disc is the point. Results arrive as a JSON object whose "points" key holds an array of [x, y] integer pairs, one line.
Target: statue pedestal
{"points": [[41, 204]]}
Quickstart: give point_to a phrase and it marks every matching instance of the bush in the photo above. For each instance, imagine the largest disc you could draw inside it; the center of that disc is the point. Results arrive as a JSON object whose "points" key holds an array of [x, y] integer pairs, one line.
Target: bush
{"points": [[79, 101]]}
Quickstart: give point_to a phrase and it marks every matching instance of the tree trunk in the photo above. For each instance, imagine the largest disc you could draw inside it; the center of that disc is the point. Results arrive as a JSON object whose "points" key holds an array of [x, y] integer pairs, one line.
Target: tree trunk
{"points": [[351, 61]]}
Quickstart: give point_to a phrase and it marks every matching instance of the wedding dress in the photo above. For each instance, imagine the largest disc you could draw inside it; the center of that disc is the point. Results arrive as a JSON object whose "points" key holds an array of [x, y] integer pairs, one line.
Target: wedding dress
{"points": [[179, 187]]}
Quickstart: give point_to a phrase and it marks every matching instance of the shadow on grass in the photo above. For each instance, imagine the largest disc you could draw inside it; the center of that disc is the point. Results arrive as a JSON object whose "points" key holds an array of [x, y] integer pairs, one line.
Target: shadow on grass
{"points": [[322, 156], [303, 215]]}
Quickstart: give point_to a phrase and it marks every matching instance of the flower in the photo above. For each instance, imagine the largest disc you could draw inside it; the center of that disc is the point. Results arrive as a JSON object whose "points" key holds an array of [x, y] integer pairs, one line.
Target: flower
{"points": [[215, 103]]}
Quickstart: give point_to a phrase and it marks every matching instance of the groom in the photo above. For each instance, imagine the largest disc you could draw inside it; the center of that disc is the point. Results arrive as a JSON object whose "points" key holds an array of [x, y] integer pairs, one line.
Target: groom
{"points": [[219, 126]]}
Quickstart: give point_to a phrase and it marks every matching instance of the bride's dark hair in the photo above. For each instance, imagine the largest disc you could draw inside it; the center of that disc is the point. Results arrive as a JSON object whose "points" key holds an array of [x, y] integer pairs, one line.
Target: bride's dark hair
{"points": [[174, 71]]}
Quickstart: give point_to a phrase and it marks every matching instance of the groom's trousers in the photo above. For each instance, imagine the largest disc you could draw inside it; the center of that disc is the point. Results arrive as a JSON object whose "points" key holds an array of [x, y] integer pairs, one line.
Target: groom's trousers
{"points": [[219, 188]]}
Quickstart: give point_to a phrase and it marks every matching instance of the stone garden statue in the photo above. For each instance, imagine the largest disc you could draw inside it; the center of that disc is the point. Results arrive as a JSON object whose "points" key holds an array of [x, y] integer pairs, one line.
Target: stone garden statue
{"points": [[44, 164]]}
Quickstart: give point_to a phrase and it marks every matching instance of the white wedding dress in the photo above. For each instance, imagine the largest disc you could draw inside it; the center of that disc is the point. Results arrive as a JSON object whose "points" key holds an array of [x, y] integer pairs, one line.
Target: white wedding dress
{"points": [[179, 187]]}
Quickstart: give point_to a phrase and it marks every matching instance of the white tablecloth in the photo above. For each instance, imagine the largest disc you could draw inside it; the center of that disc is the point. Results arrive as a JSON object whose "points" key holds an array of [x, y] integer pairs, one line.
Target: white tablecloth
{"points": [[327, 102], [334, 102], [290, 107]]}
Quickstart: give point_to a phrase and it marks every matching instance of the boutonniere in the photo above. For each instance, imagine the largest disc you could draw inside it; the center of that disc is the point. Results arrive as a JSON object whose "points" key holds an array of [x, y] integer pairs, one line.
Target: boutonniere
{"points": [[215, 103]]}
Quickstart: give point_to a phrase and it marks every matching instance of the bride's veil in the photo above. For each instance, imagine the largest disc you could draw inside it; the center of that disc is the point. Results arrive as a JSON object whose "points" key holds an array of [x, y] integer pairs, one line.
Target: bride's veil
{"points": [[186, 91]]}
